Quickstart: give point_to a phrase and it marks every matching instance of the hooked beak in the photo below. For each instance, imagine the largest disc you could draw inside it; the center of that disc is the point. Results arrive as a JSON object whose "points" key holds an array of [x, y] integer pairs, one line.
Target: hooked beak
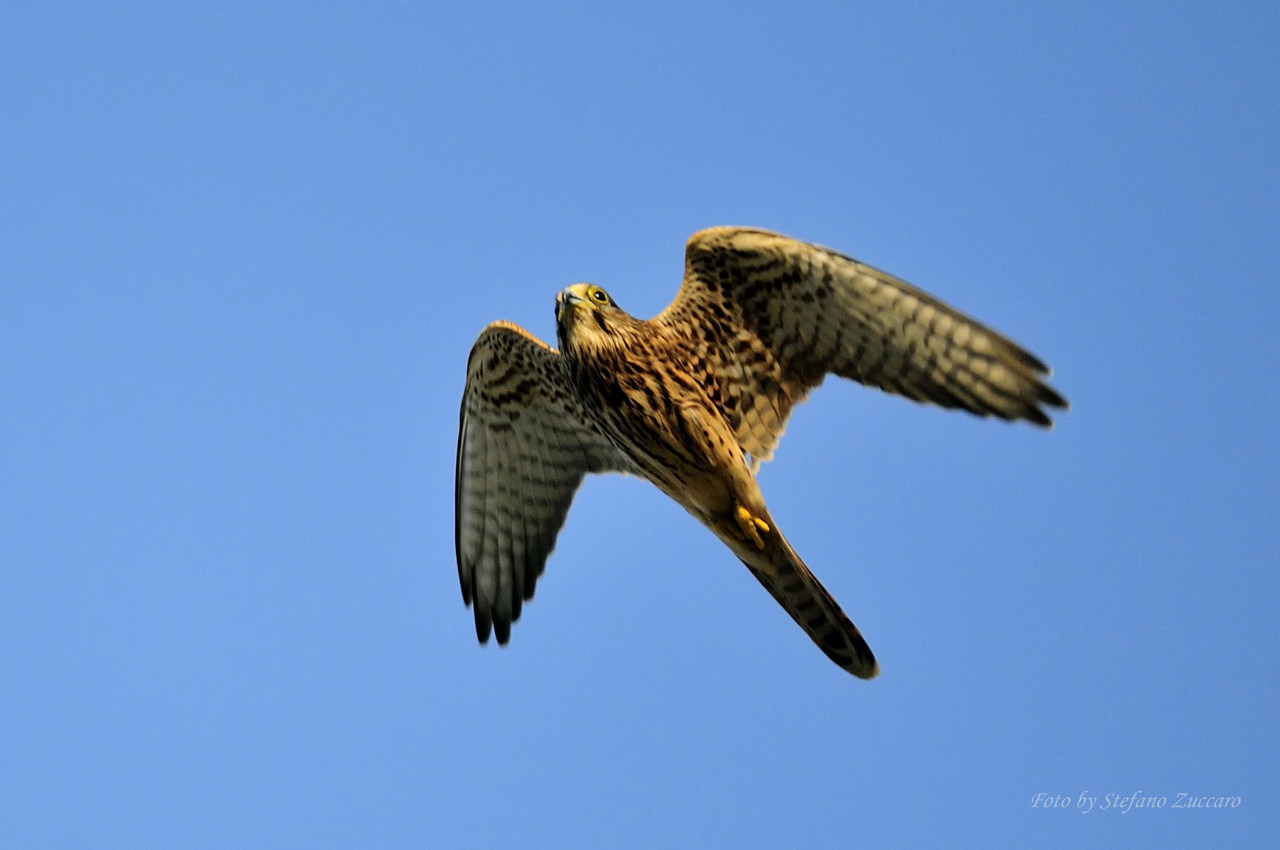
{"points": [[569, 297]]}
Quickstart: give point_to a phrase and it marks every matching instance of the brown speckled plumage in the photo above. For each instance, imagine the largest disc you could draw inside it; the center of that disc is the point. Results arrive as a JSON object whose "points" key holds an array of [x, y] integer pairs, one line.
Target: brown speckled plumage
{"points": [[695, 399]]}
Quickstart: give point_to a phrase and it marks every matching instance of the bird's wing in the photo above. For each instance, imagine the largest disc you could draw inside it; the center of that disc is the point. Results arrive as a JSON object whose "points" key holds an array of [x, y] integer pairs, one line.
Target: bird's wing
{"points": [[524, 446], [770, 316]]}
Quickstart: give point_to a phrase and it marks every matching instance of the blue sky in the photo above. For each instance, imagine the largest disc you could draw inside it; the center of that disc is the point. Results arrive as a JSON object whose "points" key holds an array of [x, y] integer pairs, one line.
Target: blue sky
{"points": [[247, 249]]}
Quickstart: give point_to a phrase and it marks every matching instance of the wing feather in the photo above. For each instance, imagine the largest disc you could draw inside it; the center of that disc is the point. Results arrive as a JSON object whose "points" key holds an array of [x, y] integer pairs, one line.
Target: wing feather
{"points": [[524, 446], [780, 314]]}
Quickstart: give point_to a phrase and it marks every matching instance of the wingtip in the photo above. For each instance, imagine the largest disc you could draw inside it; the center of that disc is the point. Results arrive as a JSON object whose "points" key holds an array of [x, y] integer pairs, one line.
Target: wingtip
{"points": [[483, 627], [502, 631], [1050, 398]]}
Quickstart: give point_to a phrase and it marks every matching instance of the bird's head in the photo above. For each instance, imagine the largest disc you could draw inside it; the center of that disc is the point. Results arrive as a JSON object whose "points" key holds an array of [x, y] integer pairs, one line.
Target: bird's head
{"points": [[586, 317]]}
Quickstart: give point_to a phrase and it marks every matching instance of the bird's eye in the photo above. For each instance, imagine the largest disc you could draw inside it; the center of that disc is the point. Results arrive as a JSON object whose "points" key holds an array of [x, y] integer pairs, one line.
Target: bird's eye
{"points": [[599, 296]]}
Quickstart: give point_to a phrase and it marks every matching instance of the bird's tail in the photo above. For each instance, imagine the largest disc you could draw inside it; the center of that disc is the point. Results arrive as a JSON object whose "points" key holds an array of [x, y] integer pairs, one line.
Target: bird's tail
{"points": [[783, 574]]}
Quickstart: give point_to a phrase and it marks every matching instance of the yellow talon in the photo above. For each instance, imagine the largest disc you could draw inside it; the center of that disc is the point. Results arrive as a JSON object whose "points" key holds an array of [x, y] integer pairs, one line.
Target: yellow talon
{"points": [[752, 526]]}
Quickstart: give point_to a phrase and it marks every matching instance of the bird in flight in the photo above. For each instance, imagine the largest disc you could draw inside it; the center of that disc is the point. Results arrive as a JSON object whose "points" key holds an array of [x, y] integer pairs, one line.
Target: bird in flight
{"points": [[695, 399]]}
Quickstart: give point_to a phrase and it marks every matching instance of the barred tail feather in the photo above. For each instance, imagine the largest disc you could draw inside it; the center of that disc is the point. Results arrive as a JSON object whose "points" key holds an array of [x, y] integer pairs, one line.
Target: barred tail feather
{"points": [[784, 575]]}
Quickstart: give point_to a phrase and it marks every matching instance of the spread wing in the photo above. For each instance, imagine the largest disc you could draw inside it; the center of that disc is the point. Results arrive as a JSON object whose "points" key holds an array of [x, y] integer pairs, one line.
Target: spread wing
{"points": [[771, 316], [524, 446]]}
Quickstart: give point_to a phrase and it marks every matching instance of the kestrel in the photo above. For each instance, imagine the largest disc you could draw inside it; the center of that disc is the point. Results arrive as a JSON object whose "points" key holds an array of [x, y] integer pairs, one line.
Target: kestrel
{"points": [[695, 399]]}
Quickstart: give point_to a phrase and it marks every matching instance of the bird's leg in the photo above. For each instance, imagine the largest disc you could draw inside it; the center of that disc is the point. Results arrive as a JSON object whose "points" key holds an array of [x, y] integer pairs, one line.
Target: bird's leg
{"points": [[751, 525]]}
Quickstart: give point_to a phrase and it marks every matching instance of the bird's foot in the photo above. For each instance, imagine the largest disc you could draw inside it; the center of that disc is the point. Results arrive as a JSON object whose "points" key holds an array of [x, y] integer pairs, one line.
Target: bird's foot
{"points": [[752, 526]]}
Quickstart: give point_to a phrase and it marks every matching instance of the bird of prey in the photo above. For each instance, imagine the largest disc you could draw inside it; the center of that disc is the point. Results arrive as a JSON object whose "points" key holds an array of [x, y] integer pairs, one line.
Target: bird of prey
{"points": [[695, 399]]}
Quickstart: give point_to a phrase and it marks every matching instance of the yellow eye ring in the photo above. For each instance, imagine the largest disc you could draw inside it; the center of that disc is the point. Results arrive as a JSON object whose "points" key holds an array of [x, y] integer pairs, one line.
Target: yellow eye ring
{"points": [[598, 295]]}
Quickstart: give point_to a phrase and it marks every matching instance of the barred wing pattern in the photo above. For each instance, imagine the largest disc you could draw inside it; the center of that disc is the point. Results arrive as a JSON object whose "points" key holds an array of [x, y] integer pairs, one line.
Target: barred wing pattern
{"points": [[775, 315], [524, 446]]}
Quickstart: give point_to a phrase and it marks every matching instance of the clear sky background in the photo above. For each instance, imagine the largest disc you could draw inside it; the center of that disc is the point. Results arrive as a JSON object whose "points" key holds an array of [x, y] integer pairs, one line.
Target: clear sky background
{"points": [[247, 247]]}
